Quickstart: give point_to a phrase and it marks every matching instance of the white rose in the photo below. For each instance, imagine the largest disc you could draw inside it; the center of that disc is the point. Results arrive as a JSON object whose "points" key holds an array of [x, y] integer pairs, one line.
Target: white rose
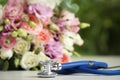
{"points": [[68, 43], [78, 40], [70, 34], [76, 37], [70, 38], [1, 13], [21, 46], [6, 54], [29, 60], [42, 57], [50, 3]]}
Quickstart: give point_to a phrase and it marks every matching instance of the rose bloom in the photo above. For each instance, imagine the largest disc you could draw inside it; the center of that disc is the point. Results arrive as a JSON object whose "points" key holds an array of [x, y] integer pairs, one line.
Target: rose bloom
{"points": [[32, 30], [40, 10], [74, 38], [51, 3], [29, 60], [13, 9], [43, 36], [53, 49], [21, 46], [6, 54], [7, 41], [68, 19], [78, 40], [74, 26], [68, 42]]}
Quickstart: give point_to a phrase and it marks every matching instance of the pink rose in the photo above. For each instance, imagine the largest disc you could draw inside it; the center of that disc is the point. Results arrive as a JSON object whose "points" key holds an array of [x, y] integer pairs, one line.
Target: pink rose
{"points": [[75, 29], [13, 9], [41, 11], [7, 41], [43, 36]]}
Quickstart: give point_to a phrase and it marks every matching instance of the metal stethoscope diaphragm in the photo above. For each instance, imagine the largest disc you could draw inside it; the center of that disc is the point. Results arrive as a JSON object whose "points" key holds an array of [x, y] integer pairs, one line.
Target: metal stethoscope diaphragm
{"points": [[47, 68]]}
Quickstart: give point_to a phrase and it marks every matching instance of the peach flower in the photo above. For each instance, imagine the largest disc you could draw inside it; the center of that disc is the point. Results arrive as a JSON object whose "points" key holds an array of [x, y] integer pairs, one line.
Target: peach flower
{"points": [[43, 36], [65, 58]]}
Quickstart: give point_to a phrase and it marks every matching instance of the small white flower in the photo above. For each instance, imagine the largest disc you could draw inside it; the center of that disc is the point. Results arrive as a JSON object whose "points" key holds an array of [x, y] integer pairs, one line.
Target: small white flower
{"points": [[68, 43], [1, 13], [21, 46], [50, 3], [29, 60], [6, 54], [69, 39], [78, 40], [70, 34], [76, 37]]}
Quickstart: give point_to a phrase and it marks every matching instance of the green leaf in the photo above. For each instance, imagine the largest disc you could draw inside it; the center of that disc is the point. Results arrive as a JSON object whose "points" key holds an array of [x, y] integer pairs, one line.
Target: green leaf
{"points": [[5, 66], [16, 62], [67, 4], [3, 2], [76, 54]]}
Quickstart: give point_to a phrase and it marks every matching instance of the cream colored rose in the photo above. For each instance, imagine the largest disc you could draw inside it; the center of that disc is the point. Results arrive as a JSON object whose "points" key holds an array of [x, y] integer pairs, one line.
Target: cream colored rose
{"points": [[1, 13], [29, 60], [78, 40], [68, 42], [50, 3], [69, 39], [76, 37], [21, 46], [6, 54]]}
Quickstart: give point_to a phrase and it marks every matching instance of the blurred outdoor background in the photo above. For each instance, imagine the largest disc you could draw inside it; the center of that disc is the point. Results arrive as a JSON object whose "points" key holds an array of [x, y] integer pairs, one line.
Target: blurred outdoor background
{"points": [[103, 36]]}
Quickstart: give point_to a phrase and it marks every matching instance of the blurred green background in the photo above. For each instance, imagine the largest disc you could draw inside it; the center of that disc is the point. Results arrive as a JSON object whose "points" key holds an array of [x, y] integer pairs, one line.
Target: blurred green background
{"points": [[103, 37]]}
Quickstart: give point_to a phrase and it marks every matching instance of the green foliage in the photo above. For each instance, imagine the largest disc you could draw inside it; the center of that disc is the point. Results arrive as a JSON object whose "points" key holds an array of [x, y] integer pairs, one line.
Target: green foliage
{"points": [[1, 63], [17, 62], [104, 17], [103, 35], [5, 66], [2, 2]]}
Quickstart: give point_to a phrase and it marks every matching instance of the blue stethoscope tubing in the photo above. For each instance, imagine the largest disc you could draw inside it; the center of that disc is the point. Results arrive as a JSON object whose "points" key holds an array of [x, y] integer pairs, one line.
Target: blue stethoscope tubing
{"points": [[89, 64], [93, 67]]}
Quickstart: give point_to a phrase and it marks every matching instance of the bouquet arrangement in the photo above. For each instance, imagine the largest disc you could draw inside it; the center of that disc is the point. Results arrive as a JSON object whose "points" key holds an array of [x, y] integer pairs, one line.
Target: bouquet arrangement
{"points": [[36, 30]]}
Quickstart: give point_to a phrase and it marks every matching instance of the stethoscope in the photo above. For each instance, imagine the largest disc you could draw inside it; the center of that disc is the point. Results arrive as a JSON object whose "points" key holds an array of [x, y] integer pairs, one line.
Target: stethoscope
{"points": [[51, 69]]}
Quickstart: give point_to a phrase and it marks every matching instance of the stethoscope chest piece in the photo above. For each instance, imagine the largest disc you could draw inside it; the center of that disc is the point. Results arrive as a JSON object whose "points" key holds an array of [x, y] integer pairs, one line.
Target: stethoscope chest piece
{"points": [[47, 67], [46, 75]]}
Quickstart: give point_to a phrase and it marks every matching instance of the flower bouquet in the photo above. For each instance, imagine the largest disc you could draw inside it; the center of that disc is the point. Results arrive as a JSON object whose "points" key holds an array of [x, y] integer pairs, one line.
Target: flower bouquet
{"points": [[37, 30]]}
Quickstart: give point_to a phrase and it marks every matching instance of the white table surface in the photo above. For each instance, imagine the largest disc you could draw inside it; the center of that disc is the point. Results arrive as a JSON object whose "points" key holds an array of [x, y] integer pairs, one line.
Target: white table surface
{"points": [[32, 75]]}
